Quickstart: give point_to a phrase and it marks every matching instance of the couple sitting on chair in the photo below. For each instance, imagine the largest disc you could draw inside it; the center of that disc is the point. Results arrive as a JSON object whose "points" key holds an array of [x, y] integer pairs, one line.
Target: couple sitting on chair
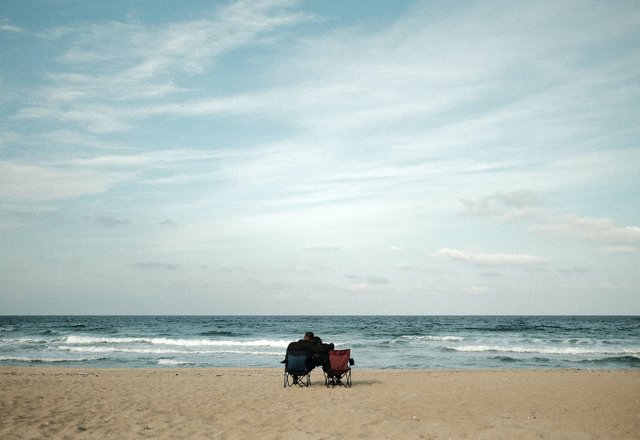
{"points": [[318, 353], [307, 353]]}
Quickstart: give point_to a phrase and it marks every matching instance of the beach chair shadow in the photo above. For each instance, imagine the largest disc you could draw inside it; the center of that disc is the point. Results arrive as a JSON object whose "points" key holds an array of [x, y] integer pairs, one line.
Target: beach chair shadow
{"points": [[339, 369], [296, 369]]}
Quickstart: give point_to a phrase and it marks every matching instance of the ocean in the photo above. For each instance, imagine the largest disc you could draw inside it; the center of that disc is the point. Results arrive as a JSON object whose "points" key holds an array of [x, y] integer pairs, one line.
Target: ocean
{"points": [[395, 342]]}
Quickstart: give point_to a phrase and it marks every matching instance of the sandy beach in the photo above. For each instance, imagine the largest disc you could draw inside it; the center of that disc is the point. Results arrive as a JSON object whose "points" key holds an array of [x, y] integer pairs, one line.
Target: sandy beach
{"points": [[70, 403]]}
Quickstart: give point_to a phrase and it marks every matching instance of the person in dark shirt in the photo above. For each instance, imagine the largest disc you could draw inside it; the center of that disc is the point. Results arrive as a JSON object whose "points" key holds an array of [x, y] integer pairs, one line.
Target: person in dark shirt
{"points": [[320, 352], [313, 345], [302, 344]]}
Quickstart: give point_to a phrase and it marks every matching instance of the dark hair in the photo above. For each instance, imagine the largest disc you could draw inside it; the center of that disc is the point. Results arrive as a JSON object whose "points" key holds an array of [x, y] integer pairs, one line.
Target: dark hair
{"points": [[309, 335]]}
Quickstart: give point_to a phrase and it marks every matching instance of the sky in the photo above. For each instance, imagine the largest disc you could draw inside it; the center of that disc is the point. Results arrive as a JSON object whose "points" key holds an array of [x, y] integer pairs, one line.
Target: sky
{"points": [[319, 157]]}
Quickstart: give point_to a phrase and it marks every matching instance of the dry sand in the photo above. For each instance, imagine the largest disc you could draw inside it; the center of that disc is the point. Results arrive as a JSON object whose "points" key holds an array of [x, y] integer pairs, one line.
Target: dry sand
{"points": [[38, 403]]}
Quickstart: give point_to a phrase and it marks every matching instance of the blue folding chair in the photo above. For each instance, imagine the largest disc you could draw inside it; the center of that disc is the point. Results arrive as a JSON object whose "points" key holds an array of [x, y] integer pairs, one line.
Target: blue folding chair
{"points": [[297, 369]]}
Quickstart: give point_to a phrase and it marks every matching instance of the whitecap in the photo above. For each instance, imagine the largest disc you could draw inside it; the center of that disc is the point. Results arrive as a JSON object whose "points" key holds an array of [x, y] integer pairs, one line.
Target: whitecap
{"points": [[545, 350], [96, 349], [429, 338], [177, 342], [173, 362], [161, 351], [47, 360]]}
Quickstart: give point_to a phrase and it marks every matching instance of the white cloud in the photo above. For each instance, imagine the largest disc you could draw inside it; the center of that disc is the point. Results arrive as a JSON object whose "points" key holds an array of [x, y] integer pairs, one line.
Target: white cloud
{"points": [[612, 250], [525, 206], [502, 203], [120, 67], [152, 158], [336, 133], [34, 182], [359, 287], [620, 165], [6, 26], [96, 118], [593, 229], [520, 199], [73, 138], [485, 259]]}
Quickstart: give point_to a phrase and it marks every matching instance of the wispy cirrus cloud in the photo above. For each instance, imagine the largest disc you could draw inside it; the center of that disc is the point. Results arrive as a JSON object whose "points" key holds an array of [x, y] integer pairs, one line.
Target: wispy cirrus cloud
{"points": [[112, 65], [500, 202], [58, 179], [526, 206], [307, 146], [6, 26], [487, 259], [603, 230], [35, 182], [612, 250], [148, 159]]}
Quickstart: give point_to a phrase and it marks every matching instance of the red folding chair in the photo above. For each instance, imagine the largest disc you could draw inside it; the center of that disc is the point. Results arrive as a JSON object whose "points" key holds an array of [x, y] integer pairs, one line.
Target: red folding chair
{"points": [[339, 369]]}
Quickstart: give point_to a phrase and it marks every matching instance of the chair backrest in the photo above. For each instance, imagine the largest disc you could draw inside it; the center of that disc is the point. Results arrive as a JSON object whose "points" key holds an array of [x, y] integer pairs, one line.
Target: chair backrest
{"points": [[339, 360], [297, 362]]}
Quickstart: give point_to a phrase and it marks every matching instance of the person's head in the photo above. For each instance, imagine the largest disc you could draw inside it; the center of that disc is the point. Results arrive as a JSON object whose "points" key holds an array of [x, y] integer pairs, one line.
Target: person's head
{"points": [[308, 336]]}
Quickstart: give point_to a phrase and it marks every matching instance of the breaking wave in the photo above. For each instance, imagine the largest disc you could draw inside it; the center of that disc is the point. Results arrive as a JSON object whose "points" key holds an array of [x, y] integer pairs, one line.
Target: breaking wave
{"points": [[173, 362], [428, 338], [546, 350], [153, 351], [177, 342], [49, 360]]}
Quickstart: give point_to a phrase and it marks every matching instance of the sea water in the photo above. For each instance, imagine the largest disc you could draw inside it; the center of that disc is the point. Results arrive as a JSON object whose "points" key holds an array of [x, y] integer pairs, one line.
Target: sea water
{"points": [[451, 342]]}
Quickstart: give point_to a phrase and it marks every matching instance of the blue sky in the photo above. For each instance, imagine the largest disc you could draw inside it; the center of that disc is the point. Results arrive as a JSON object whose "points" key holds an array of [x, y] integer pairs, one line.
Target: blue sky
{"points": [[285, 157]]}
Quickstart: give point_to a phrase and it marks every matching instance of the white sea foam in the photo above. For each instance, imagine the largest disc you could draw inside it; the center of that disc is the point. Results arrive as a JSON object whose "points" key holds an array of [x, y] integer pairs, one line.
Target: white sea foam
{"points": [[96, 349], [173, 362], [45, 359], [100, 340], [178, 342], [429, 338], [253, 353], [160, 351], [574, 351]]}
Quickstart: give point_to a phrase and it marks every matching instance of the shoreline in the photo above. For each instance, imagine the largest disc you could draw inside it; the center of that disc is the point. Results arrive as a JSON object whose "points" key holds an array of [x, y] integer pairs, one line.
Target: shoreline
{"points": [[76, 402]]}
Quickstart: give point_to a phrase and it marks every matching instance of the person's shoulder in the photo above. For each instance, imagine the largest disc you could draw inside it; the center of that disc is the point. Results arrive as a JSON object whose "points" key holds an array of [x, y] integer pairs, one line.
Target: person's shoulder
{"points": [[298, 345]]}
